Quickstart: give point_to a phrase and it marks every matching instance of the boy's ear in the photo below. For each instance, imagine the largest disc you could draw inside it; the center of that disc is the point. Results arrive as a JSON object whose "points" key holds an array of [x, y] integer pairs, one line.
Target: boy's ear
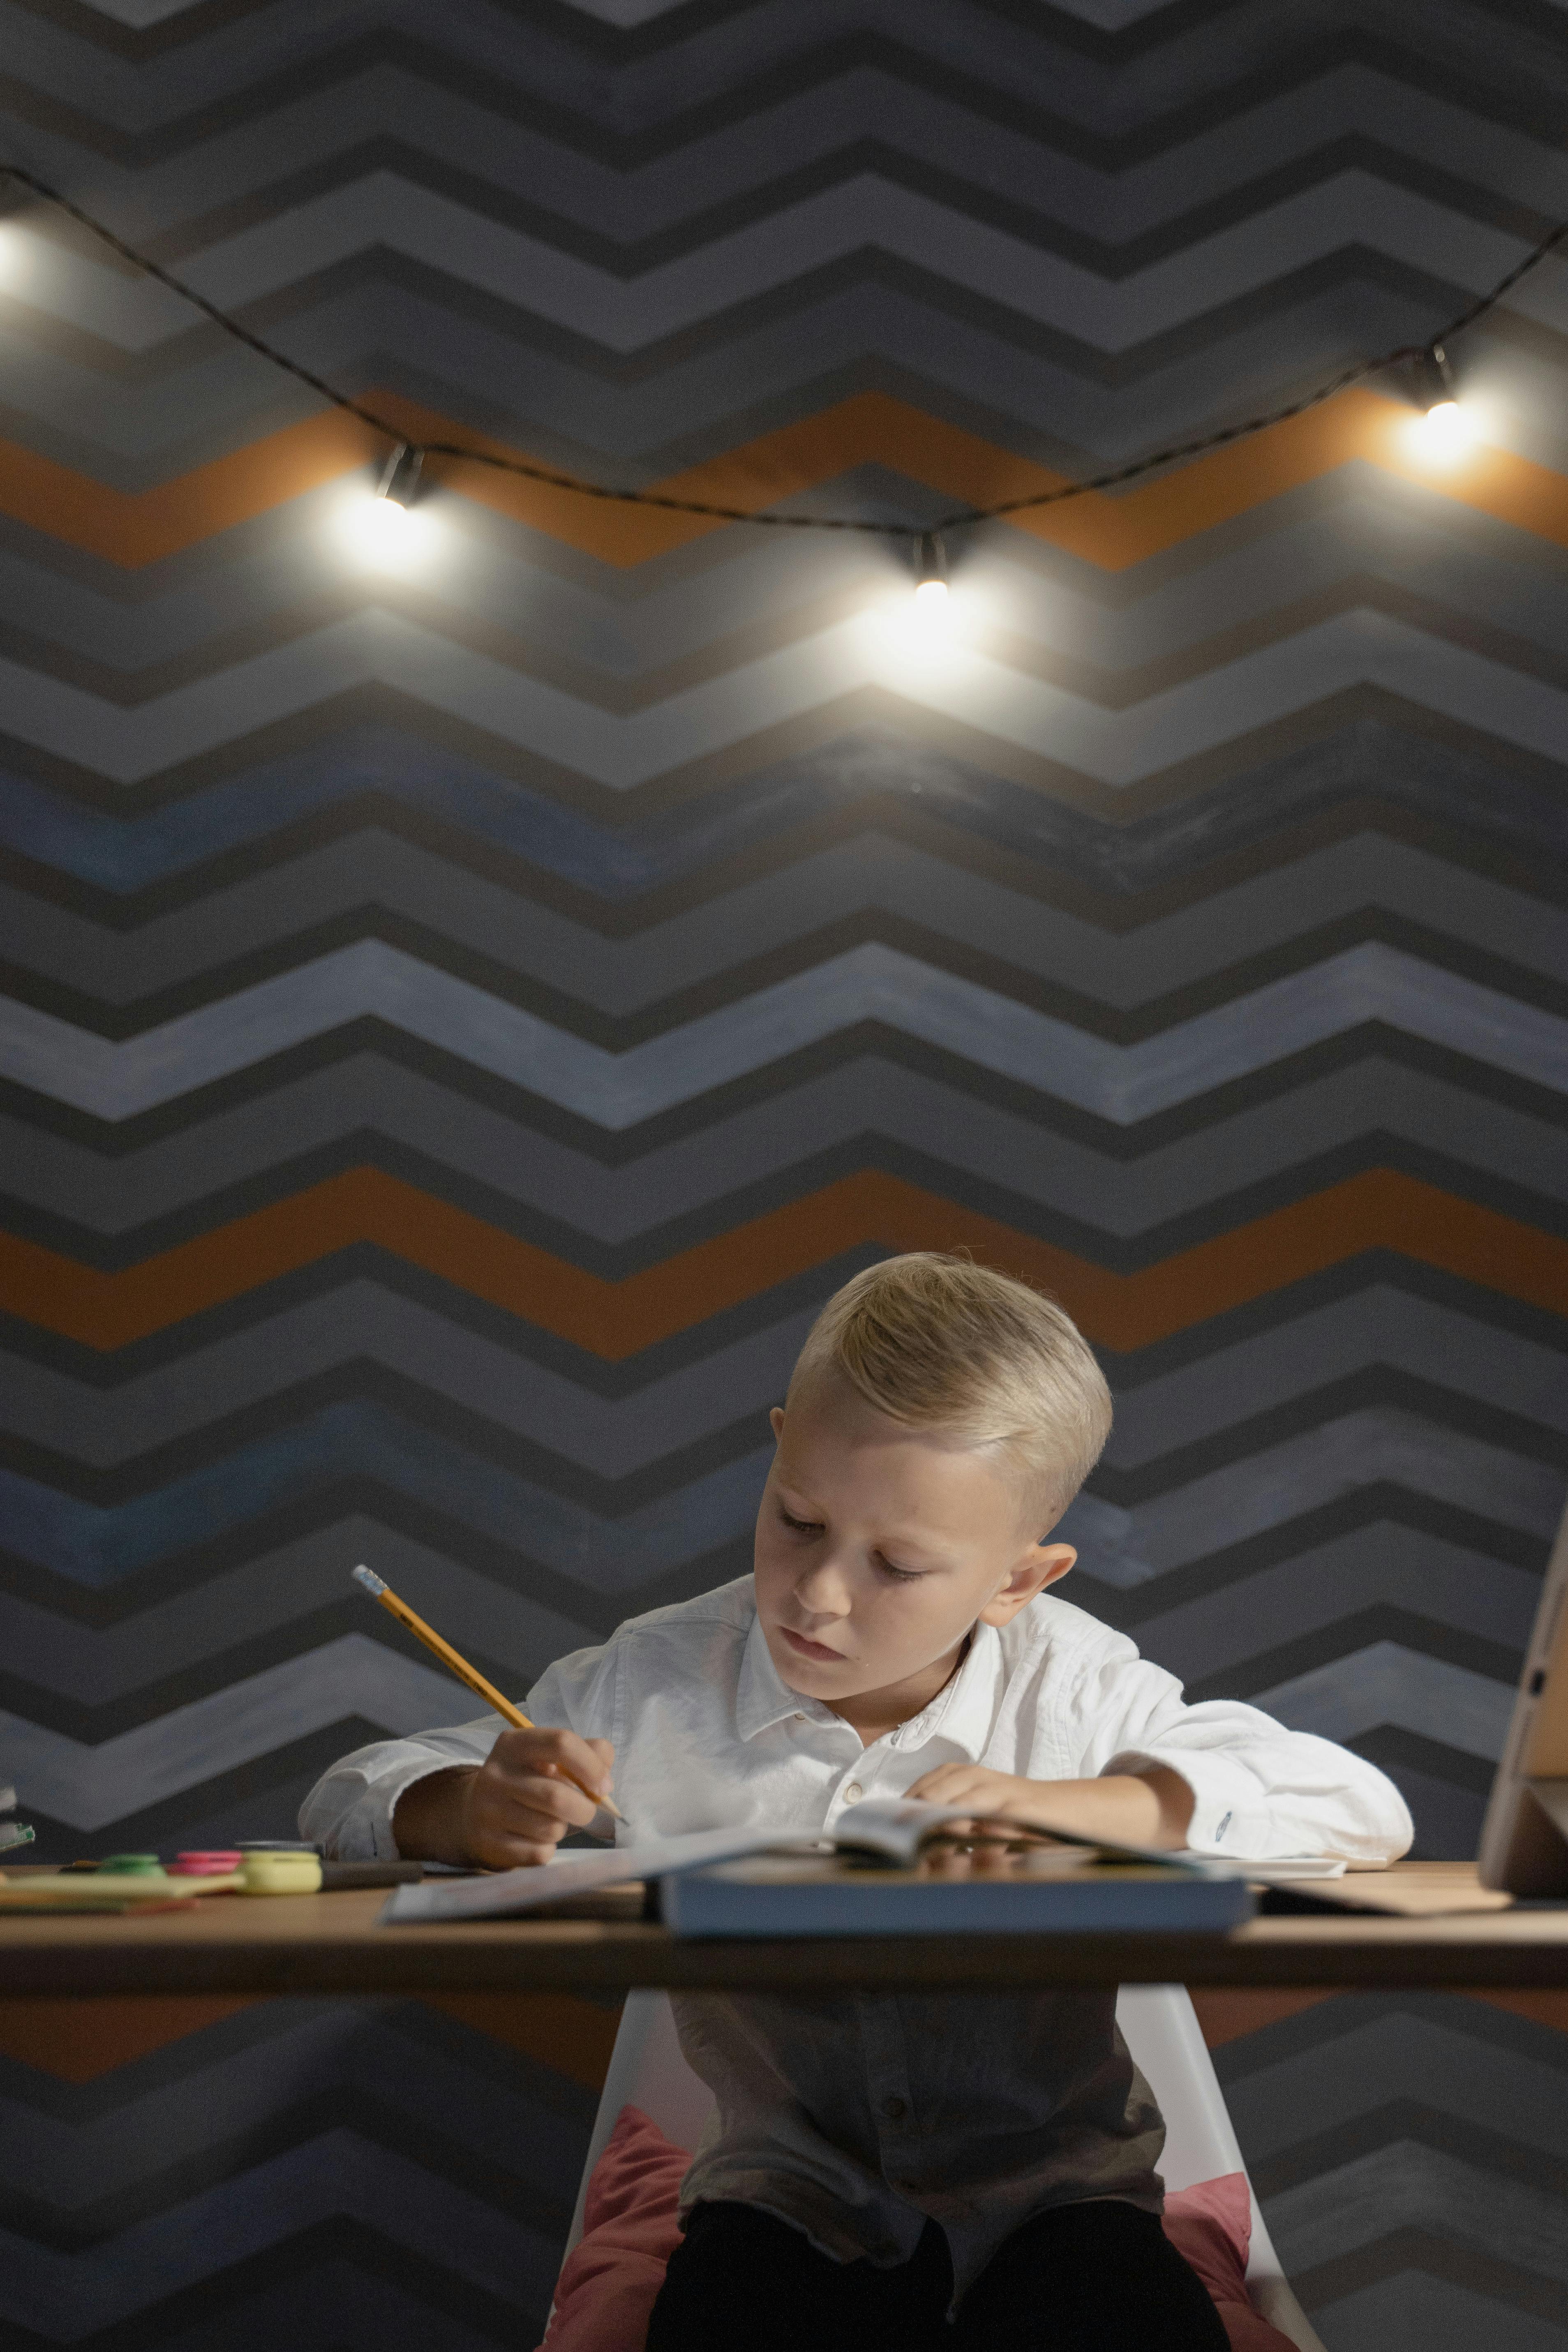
{"points": [[776, 1418], [1041, 1565]]}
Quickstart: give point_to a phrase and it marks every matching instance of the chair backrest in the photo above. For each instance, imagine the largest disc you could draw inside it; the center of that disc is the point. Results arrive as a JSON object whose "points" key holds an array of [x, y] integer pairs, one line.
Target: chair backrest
{"points": [[647, 2070]]}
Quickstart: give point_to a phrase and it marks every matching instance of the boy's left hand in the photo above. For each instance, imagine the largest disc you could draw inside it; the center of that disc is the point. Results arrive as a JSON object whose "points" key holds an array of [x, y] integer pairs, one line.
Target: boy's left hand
{"points": [[1152, 1808], [993, 1794]]}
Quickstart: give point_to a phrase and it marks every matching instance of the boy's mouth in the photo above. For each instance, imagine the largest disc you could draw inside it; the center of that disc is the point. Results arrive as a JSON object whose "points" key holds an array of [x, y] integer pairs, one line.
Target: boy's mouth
{"points": [[809, 1649]]}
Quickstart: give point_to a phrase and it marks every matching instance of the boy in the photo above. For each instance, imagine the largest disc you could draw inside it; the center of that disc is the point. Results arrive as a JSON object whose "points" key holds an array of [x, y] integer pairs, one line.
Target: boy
{"points": [[976, 2171]]}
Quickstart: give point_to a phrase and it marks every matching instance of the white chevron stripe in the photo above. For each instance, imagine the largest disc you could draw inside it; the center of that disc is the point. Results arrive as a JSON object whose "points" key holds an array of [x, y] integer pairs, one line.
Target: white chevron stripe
{"points": [[1371, 982], [89, 1786], [140, 13], [812, 676], [382, 212], [1387, 1683]]}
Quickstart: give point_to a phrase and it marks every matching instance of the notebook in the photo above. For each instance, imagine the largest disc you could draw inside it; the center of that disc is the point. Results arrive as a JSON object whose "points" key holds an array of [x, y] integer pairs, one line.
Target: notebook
{"points": [[1038, 1875]]}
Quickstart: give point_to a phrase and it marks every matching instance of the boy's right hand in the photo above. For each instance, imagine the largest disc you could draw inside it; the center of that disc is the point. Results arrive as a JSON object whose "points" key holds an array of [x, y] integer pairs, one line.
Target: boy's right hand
{"points": [[519, 1805]]}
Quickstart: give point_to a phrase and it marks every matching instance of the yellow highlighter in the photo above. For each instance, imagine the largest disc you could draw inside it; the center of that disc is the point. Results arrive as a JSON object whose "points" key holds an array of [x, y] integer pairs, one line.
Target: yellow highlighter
{"points": [[459, 1666]]}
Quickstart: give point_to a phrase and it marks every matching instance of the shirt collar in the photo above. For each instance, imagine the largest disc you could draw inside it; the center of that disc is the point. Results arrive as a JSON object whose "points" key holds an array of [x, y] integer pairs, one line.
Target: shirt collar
{"points": [[964, 1709], [763, 1698], [962, 1712]]}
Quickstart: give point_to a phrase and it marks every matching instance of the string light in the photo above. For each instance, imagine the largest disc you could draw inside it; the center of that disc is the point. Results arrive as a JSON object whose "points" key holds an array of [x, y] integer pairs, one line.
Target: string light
{"points": [[1444, 431], [930, 580], [1444, 426]]}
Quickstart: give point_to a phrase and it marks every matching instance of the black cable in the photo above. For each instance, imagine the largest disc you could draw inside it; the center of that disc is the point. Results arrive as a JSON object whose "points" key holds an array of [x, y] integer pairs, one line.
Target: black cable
{"points": [[960, 518]]}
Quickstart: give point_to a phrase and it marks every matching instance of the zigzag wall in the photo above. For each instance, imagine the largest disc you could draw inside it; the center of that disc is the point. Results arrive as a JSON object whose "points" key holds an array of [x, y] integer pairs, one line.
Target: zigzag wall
{"points": [[462, 1018]]}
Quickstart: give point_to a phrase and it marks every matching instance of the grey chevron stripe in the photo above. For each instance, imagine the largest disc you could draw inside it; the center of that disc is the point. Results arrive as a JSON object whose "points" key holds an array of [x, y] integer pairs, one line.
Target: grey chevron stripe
{"points": [[624, 315], [396, 2200], [616, 1436], [362, 1324], [578, 414], [1044, 72], [1387, 1683], [1120, 1545], [1340, 884], [351, 1676], [1125, 1546], [814, 676], [334, 2067], [687, 1184], [1111, 16], [1478, 2063], [159, 1640], [1424, 2189], [1120, 1083], [1376, 1325], [125, 2156], [1456, 1605], [1382, 1565], [623, 644], [869, 119]]}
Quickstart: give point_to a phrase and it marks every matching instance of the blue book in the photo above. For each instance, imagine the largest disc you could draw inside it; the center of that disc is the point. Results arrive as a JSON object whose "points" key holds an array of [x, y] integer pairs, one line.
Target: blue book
{"points": [[1017, 1891]]}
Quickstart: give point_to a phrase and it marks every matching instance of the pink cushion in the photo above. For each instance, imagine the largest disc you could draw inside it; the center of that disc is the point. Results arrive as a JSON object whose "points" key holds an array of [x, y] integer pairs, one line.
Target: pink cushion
{"points": [[607, 2284], [606, 2288], [1210, 2225]]}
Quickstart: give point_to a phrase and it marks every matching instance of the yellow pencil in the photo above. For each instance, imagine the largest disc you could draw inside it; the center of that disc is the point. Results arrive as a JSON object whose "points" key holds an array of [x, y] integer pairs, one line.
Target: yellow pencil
{"points": [[459, 1666]]}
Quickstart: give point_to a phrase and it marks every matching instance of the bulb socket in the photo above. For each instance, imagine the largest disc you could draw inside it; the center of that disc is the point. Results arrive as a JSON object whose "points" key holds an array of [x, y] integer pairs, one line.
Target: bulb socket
{"points": [[1434, 378], [931, 560], [400, 479]]}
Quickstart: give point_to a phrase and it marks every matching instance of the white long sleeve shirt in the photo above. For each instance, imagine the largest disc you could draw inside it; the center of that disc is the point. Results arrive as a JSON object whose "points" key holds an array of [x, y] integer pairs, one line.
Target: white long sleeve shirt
{"points": [[857, 2117]]}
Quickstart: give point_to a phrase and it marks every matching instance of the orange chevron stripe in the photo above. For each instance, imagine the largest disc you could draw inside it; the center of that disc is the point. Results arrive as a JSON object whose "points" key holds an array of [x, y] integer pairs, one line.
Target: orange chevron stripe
{"points": [[1380, 1210], [134, 528]]}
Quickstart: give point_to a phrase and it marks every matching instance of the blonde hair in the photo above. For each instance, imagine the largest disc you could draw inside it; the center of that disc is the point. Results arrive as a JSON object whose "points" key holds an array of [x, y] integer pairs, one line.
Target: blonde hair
{"points": [[939, 1343]]}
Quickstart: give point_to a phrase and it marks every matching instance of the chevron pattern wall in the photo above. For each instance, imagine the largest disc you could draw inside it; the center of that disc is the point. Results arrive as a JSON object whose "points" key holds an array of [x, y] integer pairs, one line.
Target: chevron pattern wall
{"points": [[464, 1014]]}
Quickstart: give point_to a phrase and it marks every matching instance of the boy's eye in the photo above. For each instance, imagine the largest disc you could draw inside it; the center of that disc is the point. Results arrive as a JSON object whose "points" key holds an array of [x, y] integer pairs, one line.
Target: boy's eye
{"points": [[799, 1527], [900, 1575]]}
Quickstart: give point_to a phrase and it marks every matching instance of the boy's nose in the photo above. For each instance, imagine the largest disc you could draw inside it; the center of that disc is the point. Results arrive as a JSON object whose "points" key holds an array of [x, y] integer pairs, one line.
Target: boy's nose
{"points": [[824, 1590]]}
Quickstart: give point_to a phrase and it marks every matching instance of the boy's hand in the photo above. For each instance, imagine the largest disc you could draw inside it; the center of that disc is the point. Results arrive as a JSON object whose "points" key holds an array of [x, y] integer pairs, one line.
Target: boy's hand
{"points": [[519, 1805], [1151, 1809], [514, 1809], [993, 1794]]}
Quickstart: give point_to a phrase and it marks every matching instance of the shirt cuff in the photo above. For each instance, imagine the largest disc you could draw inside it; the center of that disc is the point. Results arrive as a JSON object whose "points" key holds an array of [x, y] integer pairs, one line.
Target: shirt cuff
{"points": [[1229, 1814], [352, 1815]]}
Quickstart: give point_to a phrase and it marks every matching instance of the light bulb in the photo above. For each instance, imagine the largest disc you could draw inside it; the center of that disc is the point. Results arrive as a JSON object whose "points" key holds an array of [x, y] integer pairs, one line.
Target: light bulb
{"points": [[381, 529], [1444, 432], [929, 618]]}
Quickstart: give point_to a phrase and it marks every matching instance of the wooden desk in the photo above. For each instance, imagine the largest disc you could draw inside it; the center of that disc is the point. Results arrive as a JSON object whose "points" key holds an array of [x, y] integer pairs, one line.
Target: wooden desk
{"points": [[331, 1944]]}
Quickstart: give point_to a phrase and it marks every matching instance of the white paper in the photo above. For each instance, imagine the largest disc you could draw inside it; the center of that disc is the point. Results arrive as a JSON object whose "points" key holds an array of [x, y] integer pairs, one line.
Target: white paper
{"points": [[510, 1891]]}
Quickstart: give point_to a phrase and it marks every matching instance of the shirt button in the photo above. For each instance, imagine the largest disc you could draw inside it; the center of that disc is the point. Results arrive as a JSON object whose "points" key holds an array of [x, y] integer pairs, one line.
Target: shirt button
{"points": [[854, 1792], [895, 2110]]}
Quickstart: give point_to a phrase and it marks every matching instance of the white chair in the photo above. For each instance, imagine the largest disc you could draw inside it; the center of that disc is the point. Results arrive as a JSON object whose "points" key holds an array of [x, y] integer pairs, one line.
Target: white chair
{"points": [[648, 2071]]}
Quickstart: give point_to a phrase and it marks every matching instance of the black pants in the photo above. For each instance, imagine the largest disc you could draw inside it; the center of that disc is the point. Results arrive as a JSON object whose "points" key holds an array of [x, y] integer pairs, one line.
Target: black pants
{"points": [[1100, 2277]]}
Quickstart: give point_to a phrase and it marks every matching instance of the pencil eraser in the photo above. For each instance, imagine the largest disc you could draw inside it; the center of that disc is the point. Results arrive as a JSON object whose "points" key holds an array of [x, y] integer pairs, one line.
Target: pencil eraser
{"points": [[373, 1583]]}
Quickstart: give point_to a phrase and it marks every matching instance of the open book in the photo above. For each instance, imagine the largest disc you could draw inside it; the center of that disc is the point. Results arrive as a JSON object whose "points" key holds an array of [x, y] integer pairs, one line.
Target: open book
{"points": [[889, 1836]]}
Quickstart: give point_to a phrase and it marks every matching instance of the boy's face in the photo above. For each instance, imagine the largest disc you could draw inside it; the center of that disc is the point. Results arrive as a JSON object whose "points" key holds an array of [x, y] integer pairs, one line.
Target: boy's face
{"points": [[879, 1547]]}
